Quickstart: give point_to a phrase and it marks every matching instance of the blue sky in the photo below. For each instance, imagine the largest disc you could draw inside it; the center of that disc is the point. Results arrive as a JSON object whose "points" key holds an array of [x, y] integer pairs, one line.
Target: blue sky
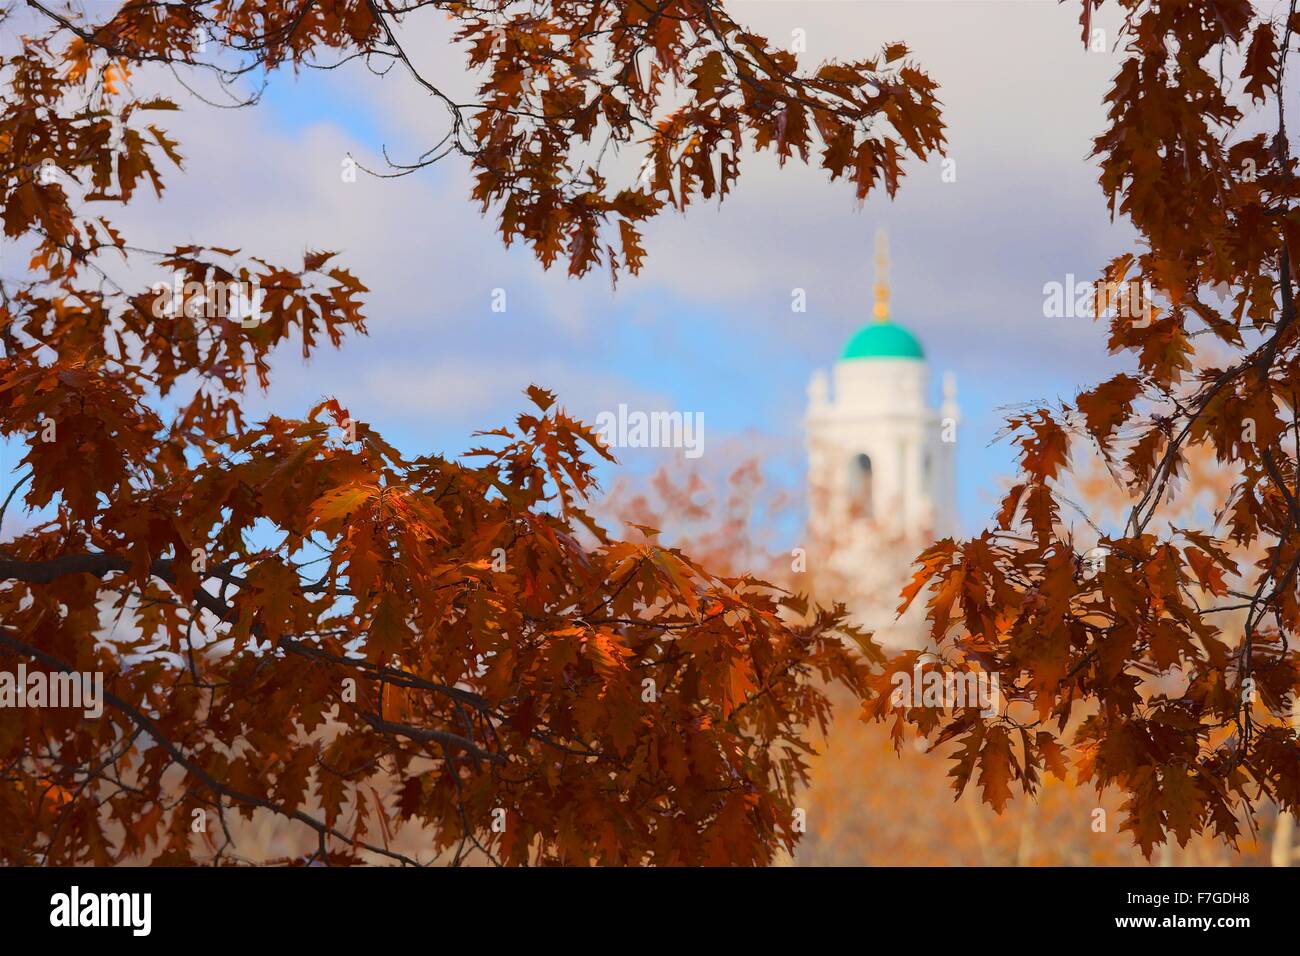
{"points": [[1022, 212], [708, 325]]}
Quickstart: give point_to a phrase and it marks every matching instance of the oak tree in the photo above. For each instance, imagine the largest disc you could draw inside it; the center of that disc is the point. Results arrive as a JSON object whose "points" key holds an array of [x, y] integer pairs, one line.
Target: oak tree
{"points": [[1128, 670], [291, 616]]}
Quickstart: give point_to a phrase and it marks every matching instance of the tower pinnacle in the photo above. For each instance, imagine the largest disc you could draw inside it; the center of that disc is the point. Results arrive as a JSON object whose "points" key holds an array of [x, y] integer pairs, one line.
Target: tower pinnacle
{"points": [[882, 275]]}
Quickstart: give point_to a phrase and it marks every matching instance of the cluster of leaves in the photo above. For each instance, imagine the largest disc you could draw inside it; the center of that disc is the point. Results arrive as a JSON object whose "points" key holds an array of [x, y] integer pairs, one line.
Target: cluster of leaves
{"points": [[865, 805], [617, 703], [308, 624], [602, 72], [1132, 670], [567, 84]]}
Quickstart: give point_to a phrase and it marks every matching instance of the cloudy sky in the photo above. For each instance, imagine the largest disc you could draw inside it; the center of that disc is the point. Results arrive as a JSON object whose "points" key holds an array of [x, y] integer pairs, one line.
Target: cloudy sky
{"points": [[707, 327]]}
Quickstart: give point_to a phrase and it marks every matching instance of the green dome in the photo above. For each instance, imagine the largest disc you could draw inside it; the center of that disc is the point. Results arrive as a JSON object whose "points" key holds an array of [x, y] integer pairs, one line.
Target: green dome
{"points": [[882, 340]]}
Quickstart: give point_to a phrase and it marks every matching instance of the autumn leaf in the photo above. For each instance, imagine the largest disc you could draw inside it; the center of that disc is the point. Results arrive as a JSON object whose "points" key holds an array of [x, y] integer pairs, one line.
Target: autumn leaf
{"points": [[997, 768]]}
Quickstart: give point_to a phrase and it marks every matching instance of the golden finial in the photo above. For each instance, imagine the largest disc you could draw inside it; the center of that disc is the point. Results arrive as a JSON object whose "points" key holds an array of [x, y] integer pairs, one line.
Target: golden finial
{"points": [[882, 275]]}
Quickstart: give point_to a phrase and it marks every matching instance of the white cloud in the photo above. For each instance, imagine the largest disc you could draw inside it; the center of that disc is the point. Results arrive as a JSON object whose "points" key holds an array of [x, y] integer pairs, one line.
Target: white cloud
{"points": [[1022, 101]]}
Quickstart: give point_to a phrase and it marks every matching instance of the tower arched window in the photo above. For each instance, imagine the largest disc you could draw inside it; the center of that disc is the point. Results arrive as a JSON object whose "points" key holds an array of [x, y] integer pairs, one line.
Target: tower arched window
{"points": [[861, 485]]}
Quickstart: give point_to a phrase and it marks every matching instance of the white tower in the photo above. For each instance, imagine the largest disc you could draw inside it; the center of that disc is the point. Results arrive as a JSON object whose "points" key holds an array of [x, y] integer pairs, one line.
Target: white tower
{"points": [[881, 467]]}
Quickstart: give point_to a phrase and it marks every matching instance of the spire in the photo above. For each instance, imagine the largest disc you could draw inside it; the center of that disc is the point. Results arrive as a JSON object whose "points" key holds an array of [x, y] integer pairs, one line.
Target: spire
{"points": [[882, 275]]}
